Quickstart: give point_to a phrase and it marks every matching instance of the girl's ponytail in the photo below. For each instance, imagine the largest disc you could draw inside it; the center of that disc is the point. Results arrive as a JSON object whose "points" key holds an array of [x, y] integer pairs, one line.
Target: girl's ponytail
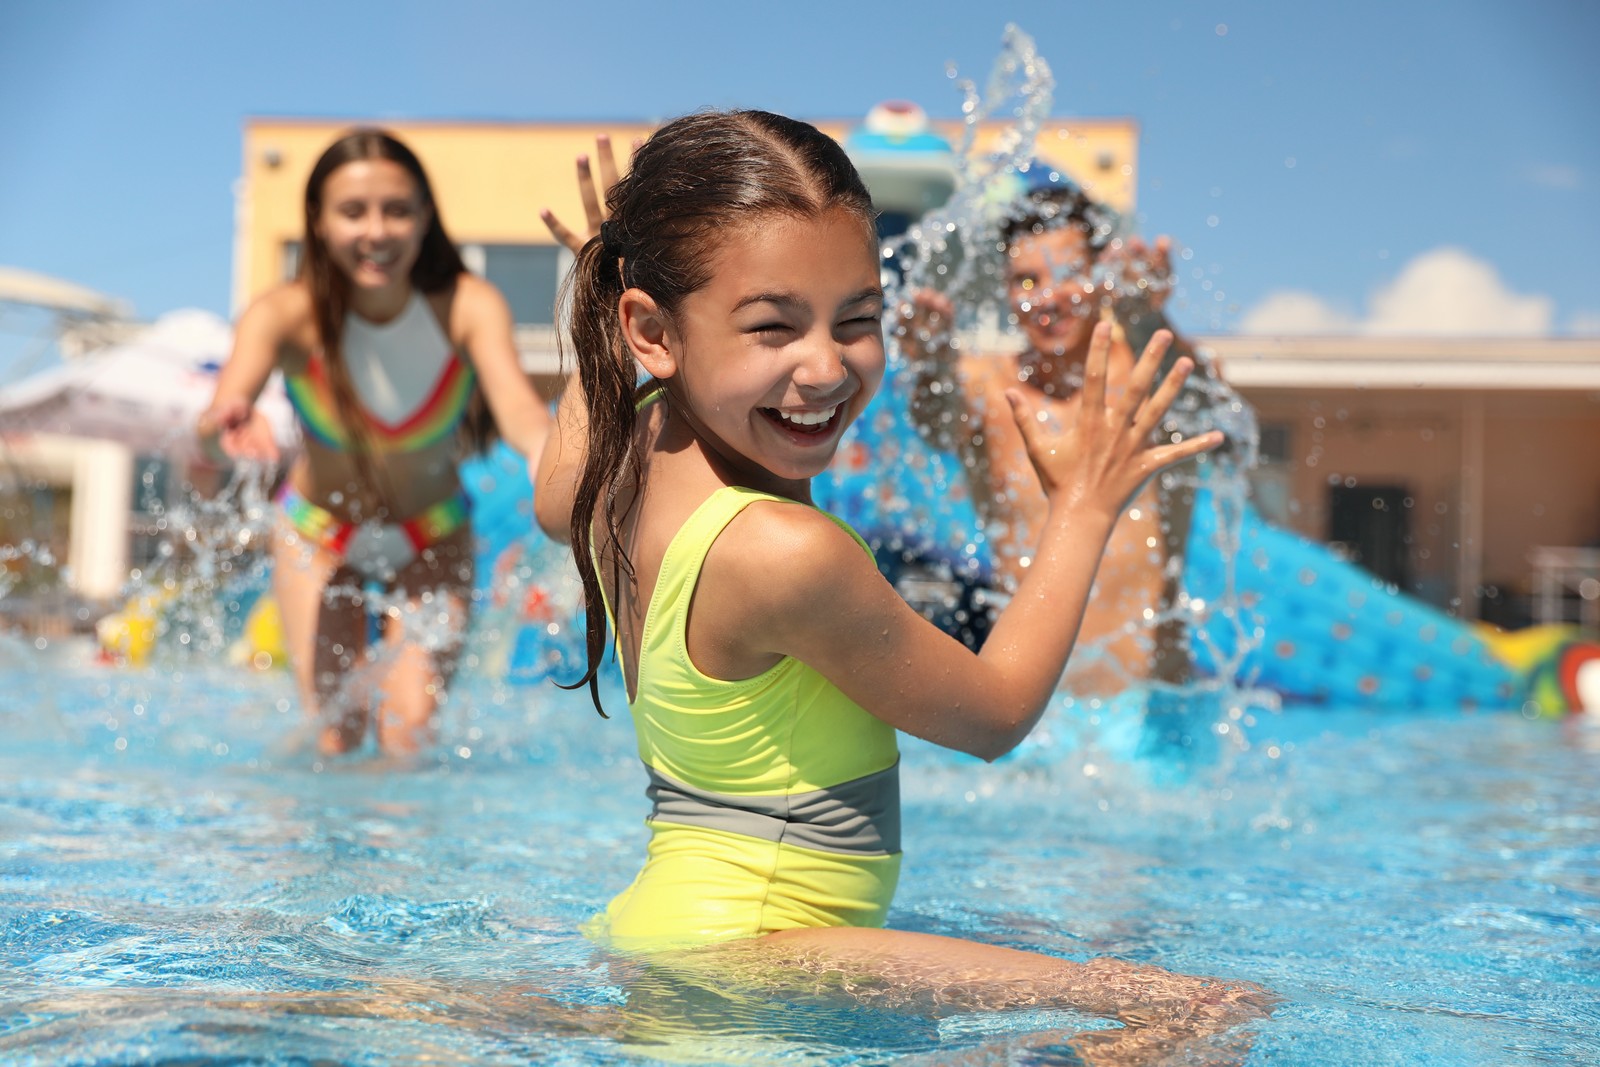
{"points": [[605, 373]]}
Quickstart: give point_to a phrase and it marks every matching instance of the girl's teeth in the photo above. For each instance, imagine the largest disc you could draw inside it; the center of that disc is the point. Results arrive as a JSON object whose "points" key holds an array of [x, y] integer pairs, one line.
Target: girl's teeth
{"points": [[808, 418]]}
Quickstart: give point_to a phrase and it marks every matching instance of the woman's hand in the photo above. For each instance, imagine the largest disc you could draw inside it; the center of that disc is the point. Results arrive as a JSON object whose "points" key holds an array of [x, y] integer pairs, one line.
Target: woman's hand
{"points": [[241, 430], [1101, 461], [593, 197]]}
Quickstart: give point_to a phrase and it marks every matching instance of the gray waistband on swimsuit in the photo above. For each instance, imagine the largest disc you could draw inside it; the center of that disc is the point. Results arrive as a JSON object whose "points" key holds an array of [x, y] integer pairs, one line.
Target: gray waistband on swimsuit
{"points": [[860, 817]]}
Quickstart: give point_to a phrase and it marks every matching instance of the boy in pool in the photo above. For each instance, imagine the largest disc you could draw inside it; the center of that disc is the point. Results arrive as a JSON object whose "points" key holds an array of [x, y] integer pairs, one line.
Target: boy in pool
{"points": [[767, 663], [1052, 250]]}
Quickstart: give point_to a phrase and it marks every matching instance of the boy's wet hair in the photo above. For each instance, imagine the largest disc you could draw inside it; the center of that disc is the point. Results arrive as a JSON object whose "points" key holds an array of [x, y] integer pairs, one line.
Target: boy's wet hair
{"points": [[697, 180], [1052, 207]]}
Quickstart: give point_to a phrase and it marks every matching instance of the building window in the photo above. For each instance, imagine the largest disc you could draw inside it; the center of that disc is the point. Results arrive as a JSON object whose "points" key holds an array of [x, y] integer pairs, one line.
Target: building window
{"points": [[292, 251], [1272, 479], [528, 275]]}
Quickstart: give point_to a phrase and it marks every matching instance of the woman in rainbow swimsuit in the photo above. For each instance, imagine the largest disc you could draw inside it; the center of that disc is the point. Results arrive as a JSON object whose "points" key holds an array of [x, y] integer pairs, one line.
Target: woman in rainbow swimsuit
{"points": [[394, 358]]}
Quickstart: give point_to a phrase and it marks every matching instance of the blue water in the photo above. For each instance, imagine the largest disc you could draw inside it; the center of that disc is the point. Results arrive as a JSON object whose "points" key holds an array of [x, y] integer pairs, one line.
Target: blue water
{"points": [[177, 888]]}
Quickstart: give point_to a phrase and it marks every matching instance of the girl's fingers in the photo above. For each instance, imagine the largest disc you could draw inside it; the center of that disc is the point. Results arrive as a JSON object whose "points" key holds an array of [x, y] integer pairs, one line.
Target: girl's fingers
{"points": [[607, 160], [1094, 370], [591, 199], [559, 231], [1027, 419], [1169, 455], [1022, 414], [1155, 408], [1144, 373]]}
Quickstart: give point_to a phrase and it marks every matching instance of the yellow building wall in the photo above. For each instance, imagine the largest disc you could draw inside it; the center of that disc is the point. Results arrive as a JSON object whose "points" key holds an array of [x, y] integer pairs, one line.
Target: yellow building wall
{"points": [[492, 179]]}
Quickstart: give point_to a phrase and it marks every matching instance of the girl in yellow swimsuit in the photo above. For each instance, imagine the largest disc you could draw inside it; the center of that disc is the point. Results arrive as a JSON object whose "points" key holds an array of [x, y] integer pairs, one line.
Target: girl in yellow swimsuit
{"points": [[767, 664], [397, 361]]}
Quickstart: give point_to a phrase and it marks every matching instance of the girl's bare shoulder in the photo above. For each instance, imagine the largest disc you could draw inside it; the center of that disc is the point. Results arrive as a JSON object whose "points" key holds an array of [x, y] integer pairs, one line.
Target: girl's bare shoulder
{"points": [[781, 551]]}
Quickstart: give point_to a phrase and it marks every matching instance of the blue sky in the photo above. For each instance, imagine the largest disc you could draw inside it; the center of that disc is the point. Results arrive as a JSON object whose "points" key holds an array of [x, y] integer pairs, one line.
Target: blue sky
{"points": [[1321, 160]]}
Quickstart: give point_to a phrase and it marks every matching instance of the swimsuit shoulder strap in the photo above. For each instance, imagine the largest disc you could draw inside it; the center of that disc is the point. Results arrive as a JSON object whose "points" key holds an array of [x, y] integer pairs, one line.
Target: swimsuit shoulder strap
{"points": [[667, 618]]}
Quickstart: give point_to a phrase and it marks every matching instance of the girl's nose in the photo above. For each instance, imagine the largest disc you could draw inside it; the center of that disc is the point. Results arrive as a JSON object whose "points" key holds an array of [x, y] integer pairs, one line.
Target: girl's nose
{"points": [[822, 368]]}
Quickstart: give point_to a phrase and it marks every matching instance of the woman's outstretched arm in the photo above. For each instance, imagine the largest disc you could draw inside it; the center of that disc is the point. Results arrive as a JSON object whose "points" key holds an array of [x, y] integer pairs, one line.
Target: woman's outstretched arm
{"points": [[489, 334], [231, 420]]}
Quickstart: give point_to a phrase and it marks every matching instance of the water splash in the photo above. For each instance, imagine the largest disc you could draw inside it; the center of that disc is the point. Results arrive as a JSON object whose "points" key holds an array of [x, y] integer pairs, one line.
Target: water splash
{"points": [[211, 558], [959, 250]]}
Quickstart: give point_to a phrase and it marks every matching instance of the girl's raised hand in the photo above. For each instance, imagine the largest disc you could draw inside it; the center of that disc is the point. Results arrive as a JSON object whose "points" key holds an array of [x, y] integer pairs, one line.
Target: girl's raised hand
{"points": [[593, 197], [1103, 459]]}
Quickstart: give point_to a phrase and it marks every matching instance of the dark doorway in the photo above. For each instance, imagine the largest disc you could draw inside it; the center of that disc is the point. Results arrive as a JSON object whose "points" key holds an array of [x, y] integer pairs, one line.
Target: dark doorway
{"points": [[1372, 525]]}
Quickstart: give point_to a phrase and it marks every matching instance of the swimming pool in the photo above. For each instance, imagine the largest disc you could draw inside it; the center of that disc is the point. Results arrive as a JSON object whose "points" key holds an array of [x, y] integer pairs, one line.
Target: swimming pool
{"points": [[174, 888]]}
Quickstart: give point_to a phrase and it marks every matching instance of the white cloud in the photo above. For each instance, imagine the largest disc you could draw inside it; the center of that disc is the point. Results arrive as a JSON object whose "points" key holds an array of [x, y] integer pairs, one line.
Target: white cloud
{"points": [[1291, 311], [1449, 291], [1554, 176], [1444, 292], [1584, 324]]}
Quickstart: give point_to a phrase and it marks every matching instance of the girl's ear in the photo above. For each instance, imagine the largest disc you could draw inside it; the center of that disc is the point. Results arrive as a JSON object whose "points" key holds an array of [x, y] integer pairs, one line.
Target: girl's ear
{"points": [[644, 327]]}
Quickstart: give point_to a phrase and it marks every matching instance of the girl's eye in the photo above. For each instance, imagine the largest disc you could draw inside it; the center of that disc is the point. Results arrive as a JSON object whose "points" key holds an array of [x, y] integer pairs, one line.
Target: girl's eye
{"points": [[769, 328], [863, 323]]}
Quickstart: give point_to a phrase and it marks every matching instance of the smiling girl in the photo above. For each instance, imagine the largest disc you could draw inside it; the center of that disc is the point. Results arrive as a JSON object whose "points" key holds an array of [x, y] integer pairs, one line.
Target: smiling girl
{"points": [[767, 664], [397, 361]]}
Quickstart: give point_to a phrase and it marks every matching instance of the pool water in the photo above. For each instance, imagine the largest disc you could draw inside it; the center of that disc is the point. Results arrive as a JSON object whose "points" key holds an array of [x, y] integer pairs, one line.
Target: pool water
{"points": [[178, 886]]}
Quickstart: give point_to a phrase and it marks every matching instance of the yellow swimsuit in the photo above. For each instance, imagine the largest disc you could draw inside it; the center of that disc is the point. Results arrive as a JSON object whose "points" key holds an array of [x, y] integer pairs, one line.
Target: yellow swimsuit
{"points": [[775, 799]]}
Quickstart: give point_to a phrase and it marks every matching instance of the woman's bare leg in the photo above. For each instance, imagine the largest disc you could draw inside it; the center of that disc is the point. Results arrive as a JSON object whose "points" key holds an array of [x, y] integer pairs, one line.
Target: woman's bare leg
{"points": [[422, 642], [324, 632]]}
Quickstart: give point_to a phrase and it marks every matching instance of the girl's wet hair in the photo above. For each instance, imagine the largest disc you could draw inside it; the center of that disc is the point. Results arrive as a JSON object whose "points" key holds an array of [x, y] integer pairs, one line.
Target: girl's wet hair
{"points": [[694, 181], [437, 267]]}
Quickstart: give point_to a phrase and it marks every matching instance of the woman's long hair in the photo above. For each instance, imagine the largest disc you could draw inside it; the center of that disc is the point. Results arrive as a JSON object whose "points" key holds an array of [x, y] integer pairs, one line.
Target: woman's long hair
{"points": [[437, 268], [688, 186]]}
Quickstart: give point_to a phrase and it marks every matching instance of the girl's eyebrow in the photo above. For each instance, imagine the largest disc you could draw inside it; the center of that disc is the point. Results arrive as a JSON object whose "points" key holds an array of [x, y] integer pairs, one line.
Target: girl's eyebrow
{"points": [[871, 292], [786, 300], [795, 302]]}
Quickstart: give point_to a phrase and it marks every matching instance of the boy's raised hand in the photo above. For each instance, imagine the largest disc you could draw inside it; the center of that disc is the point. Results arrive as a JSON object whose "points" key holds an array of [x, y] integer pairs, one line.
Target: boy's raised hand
{"points": [[1103, 459]]}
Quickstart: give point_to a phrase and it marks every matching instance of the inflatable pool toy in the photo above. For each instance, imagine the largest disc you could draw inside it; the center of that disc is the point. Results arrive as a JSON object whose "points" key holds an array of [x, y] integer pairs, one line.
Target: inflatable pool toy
{"points": [[261, 644], [1319, 629], [128, 635], [908, 167]]}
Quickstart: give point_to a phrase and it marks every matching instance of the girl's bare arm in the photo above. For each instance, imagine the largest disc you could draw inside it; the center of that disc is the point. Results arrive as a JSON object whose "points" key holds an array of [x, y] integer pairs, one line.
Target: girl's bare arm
{"points": [[789, 582], [556, 480]]}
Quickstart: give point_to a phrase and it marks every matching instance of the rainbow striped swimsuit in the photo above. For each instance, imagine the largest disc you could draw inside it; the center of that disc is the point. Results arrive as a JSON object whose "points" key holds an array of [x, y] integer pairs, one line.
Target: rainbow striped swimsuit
{"points": [[414, 333], [374, 547]]}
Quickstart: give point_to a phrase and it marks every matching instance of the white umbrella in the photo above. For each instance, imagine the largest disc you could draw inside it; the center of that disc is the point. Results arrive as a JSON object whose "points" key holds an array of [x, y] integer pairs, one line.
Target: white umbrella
{"points": [[146, 393]]}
